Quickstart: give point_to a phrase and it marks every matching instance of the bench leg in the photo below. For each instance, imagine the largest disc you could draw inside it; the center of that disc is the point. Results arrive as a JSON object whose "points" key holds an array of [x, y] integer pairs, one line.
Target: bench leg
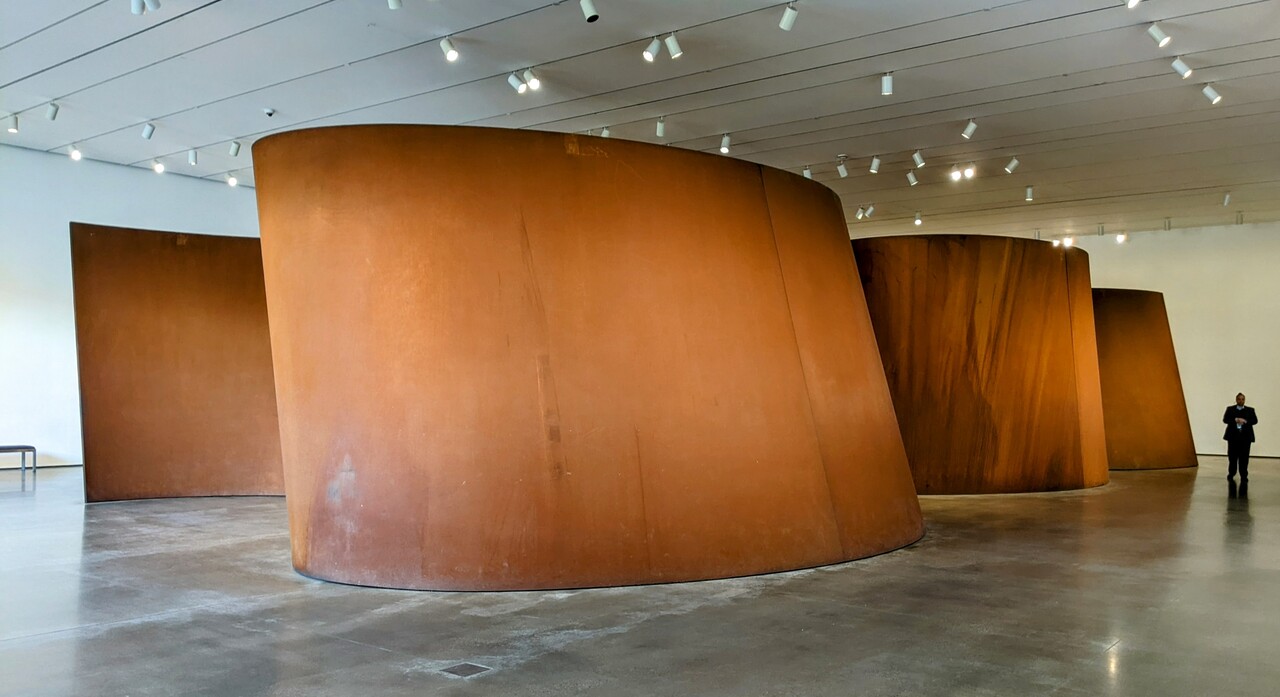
{"points": [[24, 463]]}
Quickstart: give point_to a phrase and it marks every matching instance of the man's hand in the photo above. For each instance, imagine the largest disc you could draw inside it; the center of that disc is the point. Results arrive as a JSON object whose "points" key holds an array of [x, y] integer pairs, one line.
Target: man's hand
{"points": [[1240, 421]]}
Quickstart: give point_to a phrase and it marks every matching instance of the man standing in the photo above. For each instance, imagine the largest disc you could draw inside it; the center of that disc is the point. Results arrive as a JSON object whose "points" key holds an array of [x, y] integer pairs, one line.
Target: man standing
{"points": [[1239, 437]]}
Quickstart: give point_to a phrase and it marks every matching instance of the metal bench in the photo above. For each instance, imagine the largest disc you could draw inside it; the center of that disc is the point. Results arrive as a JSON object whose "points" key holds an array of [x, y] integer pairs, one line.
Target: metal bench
{"points": [[24, 449]]}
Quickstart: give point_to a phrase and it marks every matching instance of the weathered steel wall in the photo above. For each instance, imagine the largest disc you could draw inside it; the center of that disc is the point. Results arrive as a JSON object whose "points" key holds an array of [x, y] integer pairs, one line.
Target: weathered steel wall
{"points": [[511, 359], [989, 350], [1145, 409], [176, 390]]}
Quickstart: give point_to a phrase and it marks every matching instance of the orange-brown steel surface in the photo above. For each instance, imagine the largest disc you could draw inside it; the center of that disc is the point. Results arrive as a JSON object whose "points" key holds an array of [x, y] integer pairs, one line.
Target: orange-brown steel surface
{"points": [[514, 360], [1145, 409], [989, 350], [177, 396]]}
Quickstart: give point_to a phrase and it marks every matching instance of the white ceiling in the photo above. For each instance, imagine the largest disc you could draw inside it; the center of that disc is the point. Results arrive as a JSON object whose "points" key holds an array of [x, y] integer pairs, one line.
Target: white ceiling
{"points": [[1105, 130]]}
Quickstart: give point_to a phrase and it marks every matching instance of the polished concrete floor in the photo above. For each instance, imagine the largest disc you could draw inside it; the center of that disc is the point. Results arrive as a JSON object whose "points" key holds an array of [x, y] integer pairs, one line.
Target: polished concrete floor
{"points": [[1162, 583]]}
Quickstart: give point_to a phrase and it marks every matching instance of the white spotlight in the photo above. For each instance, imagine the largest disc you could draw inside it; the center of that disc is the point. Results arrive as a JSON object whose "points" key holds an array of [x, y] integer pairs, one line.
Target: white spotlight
{"points": [[12, 126], [673, 46], [1133, 3], [918, 159], [148, 130], [137, 7], [911, 178], [1157, 34], [789, 15], [1226, 199], [724, 145], [919, 220], [1013, 164], [860, 213], [1181, 68], [1211, 94], [152, 5], [886, 84], [393, 4], [1121, 238], [970, 170], [75, 153], [808, 173], [955, 174], [604, 132], [1057, 243], [841, 169], [532, 80], [589, 10], [1031, 194], [234, 150], [1068, 241], [192, 158], [661, 130], [969, 129], [517, 84], [157, 166], [448, 49], [871, 209], [653, 49], [875, 164], [232, 181], [51, 112]]}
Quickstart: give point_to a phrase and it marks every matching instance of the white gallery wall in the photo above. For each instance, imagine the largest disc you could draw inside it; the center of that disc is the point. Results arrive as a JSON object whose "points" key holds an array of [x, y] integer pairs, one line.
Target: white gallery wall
{"points": [[40, 195], [1221, 287]]}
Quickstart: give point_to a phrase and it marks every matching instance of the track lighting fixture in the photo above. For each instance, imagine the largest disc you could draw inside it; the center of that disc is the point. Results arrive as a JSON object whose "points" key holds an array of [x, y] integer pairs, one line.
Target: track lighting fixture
{"points": [[517, 84], [859, 215], [840, 168], [1057, 243], [653, 49], [148, 130], [969, 129], [970, 170], [917, 158], [51, 112], [137, 7], [1132, 3], [789, 14], [1121, 238], [1030, 194], [232, 181], [875, 164], [955, 174], [919, 220], [886, 84], [1168, 223], [152, 5], [871, 209], [532, 80], [1068, 241], [157, 166], [589, 10], [1181, 68], [12, 125], [724, 145], [448, 49], [1013, 164], [673, 46], [234, 150], [1211, 94], [1102, 230], [393, 4], [1157, 34], [604, 132], [192, 158], [808, 173], [661, 129], [1226, 199], [75, 153], [911, 178]]}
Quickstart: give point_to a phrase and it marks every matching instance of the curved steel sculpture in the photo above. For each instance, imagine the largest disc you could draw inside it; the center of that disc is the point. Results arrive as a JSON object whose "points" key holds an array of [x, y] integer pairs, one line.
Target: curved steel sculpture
{"points": [[1142, 400], [519, 360], [990, 354]]}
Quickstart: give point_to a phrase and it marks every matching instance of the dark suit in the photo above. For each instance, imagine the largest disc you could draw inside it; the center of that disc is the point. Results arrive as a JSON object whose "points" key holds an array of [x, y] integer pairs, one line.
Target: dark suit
{"points": [[1239, 438]]}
